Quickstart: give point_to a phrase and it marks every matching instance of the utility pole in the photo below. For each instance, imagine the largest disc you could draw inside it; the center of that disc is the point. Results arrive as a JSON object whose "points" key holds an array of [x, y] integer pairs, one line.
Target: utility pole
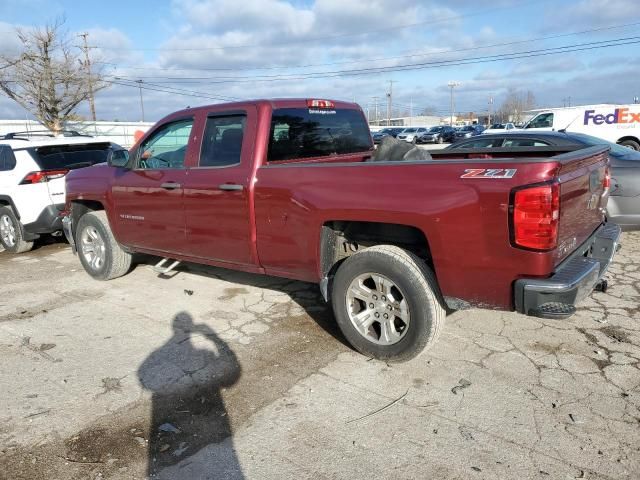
{"points": [[410, 110], [389, 99], [139, 82], [452, 85], [85, 47], [490, 110]]}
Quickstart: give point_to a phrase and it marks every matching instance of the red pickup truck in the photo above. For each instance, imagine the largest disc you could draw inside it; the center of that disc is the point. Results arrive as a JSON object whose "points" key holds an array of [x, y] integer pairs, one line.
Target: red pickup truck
{"points": [[292, 188]]}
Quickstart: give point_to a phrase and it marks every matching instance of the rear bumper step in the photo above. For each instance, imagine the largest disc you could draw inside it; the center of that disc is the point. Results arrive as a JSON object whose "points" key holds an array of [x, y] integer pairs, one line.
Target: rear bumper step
{"points": [[574, 279]]}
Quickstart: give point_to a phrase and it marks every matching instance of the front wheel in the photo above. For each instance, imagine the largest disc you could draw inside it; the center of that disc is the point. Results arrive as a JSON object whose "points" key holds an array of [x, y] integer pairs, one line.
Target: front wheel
{"points": [[11, 233], [100, 254], [386, 303], [440, 139]]}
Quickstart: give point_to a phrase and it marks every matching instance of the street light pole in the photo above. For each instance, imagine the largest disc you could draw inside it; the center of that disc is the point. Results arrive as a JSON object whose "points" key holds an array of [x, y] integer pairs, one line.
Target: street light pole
{"points": [[490, 110], [139, 82], [452, 85]]}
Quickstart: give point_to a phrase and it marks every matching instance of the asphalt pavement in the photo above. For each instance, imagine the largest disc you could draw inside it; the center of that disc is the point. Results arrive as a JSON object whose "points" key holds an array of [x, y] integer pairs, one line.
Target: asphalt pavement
{"points": [[208, 373]]}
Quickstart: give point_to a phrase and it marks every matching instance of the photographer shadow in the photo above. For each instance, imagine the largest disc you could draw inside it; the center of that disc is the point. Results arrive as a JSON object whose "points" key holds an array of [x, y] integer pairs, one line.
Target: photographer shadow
{"points": [[187, 376]]}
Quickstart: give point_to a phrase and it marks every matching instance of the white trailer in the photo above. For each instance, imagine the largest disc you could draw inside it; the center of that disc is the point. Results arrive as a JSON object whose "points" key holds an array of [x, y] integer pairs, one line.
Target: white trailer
{"points": [[615, 123]]}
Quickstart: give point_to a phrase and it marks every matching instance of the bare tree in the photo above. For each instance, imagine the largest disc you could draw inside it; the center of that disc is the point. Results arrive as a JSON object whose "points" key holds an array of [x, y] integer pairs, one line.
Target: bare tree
{"points": [[47, 78], [515, 104]]}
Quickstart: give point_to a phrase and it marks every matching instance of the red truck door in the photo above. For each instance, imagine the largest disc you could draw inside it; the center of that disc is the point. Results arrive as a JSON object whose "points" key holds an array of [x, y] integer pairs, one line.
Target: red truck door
{"points": [[148, 199], [216, 194]]}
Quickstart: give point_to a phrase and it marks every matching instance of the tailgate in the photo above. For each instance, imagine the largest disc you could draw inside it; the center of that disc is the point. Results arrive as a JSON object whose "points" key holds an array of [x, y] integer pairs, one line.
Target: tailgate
{"points": [[58, 159], [583, 196]]}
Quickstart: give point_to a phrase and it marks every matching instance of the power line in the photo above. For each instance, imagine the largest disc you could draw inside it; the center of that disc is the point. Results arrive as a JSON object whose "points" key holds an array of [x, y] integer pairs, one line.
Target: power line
{"points": [[406, 67], [166, 89], [409, 55]]}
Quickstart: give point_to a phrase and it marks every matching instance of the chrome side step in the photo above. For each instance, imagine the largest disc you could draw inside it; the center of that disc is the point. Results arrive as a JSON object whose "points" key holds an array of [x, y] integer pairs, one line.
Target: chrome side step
{"points": [[162, 270]]}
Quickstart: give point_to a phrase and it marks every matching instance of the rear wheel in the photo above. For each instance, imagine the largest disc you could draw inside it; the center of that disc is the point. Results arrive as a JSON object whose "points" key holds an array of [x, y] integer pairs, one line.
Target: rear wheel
{"points": [[11, 233], [100, 254], [385, 302], [632, 144]]}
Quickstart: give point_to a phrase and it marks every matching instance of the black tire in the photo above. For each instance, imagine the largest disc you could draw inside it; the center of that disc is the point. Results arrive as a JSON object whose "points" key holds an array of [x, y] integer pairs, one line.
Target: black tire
{"points": [[116, 262], [414, 141], [415, 282], [632, 144], [440, 139], [15, 243]]}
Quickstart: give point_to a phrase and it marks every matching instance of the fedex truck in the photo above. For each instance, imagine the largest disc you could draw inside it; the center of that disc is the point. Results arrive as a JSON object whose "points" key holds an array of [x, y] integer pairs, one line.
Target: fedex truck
{"points": [[615, 123]]}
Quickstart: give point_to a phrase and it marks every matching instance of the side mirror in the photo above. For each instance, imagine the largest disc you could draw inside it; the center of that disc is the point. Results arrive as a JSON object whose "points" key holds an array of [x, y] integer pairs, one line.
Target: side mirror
{"points": [[118, 158]]}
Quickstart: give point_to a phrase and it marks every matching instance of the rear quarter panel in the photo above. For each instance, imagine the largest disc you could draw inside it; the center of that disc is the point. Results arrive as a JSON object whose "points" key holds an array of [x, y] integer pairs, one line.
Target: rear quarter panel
{"points": [[466, 221]]}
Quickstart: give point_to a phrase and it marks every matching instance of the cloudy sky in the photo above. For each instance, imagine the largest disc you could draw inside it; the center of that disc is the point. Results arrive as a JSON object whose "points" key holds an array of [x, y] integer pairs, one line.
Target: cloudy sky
{"points": [[194, 52]]}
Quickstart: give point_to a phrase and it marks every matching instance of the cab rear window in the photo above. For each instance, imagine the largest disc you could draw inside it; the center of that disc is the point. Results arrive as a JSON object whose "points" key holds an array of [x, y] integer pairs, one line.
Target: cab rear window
{"points": [[54, 157], [305, 133]]}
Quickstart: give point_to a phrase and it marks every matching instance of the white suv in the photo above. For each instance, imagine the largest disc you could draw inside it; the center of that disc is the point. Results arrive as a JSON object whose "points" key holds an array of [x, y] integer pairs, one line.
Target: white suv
{"points": [[32, 188]]}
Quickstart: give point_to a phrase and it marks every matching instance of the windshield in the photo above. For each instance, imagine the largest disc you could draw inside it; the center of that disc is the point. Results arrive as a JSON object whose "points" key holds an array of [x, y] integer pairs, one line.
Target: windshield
{"points": [[617, 151], [55, 157], [435, 129], [497, 126], [410, 130], [467, 129]]}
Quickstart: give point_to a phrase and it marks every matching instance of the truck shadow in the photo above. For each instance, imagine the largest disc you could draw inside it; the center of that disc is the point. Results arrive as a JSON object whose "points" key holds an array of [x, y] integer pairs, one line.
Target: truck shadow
{"points": [[186, 377], [306, 295]]}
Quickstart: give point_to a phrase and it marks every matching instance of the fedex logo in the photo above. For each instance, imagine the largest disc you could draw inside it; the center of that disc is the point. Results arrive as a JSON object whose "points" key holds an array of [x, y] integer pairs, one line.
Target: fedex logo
{"points": [[619, 115]]}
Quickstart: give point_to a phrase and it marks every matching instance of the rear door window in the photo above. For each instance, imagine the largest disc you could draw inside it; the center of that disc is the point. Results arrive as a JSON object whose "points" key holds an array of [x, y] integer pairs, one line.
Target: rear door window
{"points": [[524, 142], [480, 143], [305, 133], [7, 158], [54, 157], [222, 141]]}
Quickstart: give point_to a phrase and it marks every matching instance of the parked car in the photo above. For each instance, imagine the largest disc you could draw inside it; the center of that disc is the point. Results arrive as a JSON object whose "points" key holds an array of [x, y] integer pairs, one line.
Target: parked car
{"points": [[32, 170], [386, 132], [624, 203], [468, 131], [411, 134], [439, 134], [281, 187], [500, 128]]}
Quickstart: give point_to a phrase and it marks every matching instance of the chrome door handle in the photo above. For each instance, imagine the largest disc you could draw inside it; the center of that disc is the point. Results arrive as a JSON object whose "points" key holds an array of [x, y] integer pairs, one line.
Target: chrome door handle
{"points": [[170, 185], [230, 187]]}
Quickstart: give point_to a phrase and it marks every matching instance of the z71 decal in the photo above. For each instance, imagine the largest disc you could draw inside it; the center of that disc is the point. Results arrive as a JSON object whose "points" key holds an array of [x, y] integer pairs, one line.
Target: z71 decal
{"points": [[489, 173]]}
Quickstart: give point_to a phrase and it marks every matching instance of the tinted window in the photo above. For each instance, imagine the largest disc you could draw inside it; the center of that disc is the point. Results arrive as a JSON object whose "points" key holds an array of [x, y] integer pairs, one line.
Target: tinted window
{"points": [[7, 159], [497, 126], [435, 129], [54, 157], [544, 120], [167, 146], [222, 141], [480, 143], [305, 133], [524, 142], [617, 151]]}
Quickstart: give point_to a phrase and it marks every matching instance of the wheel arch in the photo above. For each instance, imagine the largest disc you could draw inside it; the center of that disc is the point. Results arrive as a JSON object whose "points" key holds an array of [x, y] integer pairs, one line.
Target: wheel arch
{"points": [[340, 239], [6, 201], [82, 207], [628, 137]]}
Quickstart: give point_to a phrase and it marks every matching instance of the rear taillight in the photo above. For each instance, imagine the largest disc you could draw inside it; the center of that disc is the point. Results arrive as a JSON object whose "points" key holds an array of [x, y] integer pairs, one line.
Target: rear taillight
{"points": [[536, 211], [43, 176], [606, 183]]}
